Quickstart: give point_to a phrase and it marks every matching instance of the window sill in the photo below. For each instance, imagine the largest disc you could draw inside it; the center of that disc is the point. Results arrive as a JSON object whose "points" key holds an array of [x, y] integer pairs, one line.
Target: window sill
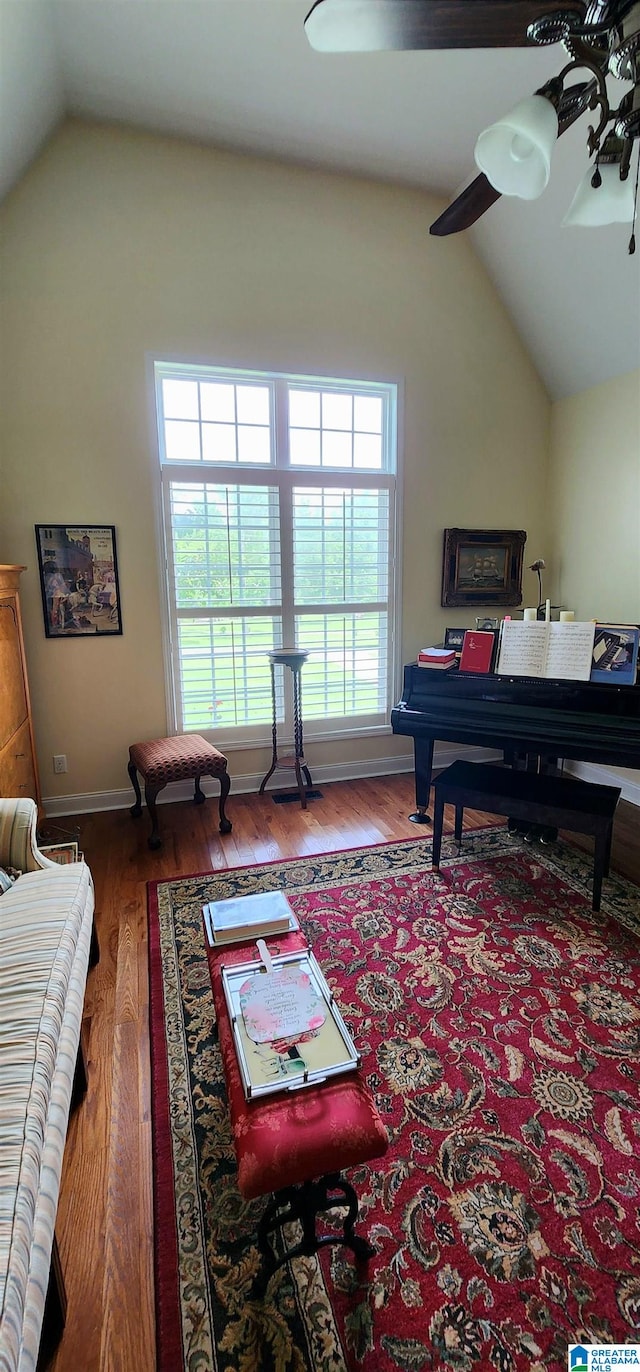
{"points": [[231, 745]]}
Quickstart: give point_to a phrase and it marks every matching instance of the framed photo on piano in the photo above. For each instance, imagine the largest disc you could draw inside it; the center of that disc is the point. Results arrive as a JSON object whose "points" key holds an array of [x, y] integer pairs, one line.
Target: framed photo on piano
{"points": [[454, 638], [615, 654], [482, 566]]}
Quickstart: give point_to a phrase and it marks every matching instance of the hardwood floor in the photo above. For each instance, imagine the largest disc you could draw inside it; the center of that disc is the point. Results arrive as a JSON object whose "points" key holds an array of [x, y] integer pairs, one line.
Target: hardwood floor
{"points": [[104, 1223]]}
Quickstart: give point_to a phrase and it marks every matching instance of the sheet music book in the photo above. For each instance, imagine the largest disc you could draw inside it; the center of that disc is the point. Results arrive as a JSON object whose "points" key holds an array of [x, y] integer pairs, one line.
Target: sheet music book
{"points": [[478, 650], [554, 650], [248, 917]]}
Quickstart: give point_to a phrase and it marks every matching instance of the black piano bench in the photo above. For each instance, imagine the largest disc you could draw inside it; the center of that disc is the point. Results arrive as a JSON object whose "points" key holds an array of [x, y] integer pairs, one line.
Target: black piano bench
{"points": [[579, 806]]}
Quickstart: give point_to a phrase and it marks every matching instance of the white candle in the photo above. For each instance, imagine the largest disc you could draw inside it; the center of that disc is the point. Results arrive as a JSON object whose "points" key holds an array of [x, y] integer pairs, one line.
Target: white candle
{"points": [[529, 614], [547, 610], [566, 616]]}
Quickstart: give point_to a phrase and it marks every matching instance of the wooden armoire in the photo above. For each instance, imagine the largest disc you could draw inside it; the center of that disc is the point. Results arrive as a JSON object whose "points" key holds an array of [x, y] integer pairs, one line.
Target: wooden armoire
{"points": [[18, 766]]}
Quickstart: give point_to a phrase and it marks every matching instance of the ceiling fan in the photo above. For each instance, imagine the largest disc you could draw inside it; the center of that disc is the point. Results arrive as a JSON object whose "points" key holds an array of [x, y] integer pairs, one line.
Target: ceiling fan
{"points": [[600, 37]]}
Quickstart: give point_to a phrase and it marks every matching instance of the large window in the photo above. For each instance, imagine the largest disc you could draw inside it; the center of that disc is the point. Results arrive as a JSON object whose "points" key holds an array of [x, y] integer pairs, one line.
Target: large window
{"points": [[279, 506]]}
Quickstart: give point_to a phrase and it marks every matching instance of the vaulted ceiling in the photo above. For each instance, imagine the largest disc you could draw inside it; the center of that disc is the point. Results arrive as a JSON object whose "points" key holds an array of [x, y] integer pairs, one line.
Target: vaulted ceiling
{"points": [[241, 74]]}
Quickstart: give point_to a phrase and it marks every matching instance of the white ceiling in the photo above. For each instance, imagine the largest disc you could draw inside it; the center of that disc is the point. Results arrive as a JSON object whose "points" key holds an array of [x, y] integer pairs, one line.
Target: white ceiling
{"points": [[241, 74]]}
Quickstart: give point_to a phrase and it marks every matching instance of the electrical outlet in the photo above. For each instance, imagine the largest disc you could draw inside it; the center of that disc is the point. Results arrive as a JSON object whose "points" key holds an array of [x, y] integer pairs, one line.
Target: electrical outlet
{"points": [[59, 762]]}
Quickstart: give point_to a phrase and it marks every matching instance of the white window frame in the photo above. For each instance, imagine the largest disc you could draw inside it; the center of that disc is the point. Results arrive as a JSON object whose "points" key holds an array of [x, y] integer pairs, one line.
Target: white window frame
{"points": [[284, 475]]}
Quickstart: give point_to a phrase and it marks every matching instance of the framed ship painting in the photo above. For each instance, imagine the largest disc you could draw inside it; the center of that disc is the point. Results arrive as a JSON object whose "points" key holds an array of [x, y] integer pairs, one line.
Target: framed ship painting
{"points": [[482, 566]]}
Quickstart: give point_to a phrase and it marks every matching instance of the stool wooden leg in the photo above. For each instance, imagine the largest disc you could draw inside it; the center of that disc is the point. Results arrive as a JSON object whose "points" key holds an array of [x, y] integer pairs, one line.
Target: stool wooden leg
{"points": [[225, 825], [199, 797], [137, 808], [599, 865], [150, 793], [458, 828], [607, 853], [438, 816]]}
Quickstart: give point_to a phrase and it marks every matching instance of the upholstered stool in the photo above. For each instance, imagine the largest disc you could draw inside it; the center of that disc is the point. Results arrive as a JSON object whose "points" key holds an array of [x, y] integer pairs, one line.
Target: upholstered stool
{"points": [[296, 1144], [186, 756]]}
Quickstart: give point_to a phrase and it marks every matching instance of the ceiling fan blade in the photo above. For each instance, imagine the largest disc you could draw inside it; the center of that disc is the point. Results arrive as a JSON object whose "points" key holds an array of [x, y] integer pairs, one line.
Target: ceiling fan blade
{"points": [[480, 195], [412, 25], [473, 201]]}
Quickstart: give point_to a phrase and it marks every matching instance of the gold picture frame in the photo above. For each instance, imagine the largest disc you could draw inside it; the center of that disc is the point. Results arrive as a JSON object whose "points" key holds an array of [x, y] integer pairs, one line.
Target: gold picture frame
{"points": [[482, 566]]}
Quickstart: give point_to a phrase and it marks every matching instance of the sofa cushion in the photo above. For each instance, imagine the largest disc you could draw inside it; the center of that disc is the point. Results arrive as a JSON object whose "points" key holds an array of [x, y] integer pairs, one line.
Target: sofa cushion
{"points": [[45, 929]]}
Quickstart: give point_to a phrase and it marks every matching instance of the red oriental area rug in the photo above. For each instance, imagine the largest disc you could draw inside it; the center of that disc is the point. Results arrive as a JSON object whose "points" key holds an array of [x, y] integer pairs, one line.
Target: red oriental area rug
{"points": [[498, 1019]]}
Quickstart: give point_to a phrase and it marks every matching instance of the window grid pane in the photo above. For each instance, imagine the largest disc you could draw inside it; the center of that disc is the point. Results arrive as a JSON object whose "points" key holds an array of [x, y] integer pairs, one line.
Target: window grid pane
{"points": [[225, 679], [182, 440], [346, 671], [180, 399], [340, 545], [216, 422], [335, 429], [218, 402], [226, 545]]}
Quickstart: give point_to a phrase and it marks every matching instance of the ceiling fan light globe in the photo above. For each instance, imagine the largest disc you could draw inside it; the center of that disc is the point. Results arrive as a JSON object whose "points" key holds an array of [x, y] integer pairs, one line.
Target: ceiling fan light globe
{"points": [[355, 25], [609, 203], [515, 153], [521, 148]]}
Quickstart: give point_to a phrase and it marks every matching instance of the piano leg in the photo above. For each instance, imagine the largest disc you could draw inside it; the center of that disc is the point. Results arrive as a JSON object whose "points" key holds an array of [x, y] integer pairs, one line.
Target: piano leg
{"points": [[423, 763]]}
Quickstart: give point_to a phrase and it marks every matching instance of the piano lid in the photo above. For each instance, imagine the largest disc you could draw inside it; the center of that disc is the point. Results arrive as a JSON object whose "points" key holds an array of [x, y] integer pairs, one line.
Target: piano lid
{"points": [[422, 688], [588, 721]]}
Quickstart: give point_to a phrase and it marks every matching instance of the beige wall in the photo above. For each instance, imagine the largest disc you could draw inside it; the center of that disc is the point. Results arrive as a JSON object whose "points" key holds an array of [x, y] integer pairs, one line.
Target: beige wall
{"points": [[119, 245], [595, 503], [595, 500]]}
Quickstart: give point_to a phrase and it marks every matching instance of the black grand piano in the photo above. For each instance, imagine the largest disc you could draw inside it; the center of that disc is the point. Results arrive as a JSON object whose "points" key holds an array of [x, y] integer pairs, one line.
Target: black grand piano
{"points": [[524, 717]]}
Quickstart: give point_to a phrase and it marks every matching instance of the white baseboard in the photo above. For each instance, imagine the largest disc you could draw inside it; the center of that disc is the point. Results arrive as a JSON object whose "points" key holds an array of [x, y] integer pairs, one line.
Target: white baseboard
{"points": [[242, 784], [248, 783]]}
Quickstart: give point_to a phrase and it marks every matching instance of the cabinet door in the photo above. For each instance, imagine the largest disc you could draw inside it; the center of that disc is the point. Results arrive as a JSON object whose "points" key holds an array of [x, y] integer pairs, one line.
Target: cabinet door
{"points": [[17, 774], [13, 699]]}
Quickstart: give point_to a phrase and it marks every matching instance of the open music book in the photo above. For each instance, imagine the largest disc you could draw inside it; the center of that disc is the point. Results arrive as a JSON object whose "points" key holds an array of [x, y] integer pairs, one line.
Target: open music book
{"points": [[539, 648]]}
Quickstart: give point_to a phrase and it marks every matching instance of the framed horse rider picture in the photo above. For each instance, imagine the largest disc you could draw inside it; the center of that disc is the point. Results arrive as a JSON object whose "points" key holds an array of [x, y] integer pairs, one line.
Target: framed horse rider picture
{"points": [[79, 580]]}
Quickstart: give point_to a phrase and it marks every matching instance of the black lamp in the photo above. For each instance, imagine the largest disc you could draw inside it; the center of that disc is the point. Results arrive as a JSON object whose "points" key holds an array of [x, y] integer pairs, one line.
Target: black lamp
{"points": [[539, 566]]}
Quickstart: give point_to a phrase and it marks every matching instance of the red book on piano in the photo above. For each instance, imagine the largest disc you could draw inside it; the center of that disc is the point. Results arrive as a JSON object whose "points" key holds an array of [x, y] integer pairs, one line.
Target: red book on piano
{"points": [[477, 651]]}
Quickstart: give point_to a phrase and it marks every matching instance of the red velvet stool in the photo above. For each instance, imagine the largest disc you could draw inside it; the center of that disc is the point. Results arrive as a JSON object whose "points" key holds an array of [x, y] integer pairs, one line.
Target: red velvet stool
{"points": [[296, 1144], [186, 756]]}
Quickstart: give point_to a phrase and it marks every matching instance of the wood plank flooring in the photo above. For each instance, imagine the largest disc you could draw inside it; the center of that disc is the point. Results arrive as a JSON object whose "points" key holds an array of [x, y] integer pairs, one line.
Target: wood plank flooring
{"points": [[104, 1223]]}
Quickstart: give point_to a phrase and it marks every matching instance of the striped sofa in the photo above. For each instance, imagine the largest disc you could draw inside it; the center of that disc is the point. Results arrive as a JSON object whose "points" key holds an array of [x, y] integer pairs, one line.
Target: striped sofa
{"points": [[46, 921]]}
